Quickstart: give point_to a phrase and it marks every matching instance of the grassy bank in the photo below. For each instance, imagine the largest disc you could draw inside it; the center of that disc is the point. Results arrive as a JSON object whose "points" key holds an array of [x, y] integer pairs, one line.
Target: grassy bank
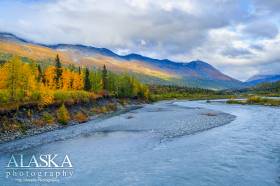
{"points": [[256, 100], [46, 99], [159, 92]]}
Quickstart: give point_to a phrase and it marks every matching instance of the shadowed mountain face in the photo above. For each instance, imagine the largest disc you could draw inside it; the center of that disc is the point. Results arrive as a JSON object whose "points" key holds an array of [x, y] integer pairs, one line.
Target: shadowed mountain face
{"points": [[257, 79], [149, 70]]}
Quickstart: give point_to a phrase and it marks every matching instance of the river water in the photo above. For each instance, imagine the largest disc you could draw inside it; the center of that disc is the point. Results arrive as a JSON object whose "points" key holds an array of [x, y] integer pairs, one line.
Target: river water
{"points": [[166, 144]]}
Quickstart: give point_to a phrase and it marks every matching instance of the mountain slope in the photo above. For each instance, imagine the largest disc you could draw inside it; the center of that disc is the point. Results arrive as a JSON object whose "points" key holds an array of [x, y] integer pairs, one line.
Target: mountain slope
{"points": [[257, 79], [154, 71]]}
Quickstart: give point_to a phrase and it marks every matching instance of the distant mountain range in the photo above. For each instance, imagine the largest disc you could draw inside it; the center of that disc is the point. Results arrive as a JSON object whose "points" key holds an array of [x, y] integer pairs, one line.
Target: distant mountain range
{"points": [[154, 71], [257, 79]]}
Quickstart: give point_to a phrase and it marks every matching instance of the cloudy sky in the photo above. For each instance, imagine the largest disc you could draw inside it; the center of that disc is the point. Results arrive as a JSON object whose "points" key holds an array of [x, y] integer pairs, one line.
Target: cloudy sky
{"points": [[239, 37]]}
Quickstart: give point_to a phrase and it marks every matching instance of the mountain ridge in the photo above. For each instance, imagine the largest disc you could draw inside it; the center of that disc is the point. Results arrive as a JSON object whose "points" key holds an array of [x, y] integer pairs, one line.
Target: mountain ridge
{"points": [[262, 78], [195, 73]]}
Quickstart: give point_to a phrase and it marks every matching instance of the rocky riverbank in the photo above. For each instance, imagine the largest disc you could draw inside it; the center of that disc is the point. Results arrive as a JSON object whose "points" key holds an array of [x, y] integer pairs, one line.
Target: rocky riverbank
{"points": [[33, 121], [163, 120]]}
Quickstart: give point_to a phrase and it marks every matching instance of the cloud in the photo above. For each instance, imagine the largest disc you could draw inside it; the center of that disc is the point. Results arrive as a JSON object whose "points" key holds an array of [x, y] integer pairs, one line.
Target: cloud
{"points": [[167, 26], [229, 34], [262, 29], [267, 6], [236, 52]]}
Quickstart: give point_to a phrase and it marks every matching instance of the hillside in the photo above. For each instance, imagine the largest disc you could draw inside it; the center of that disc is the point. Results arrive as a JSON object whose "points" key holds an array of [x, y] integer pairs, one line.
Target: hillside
{"points": [[257, 79], [149, 70]]}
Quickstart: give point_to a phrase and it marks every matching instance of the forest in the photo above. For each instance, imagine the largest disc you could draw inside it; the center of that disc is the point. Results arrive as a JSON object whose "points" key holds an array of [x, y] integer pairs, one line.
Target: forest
{"points": [[166, 92], [24, 83], [263, 89]]}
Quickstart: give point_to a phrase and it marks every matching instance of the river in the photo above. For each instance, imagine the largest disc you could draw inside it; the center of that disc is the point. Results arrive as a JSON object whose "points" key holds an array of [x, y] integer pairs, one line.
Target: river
{"points": [[167, 144]]}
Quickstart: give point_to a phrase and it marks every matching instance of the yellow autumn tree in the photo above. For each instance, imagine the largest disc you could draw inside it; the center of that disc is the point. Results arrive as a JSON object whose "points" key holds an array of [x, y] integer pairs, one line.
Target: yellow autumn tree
{"points": [[28, 81], [67, 79], [72, 80], [49, 77], [3, 76], [78, 82], [12, 80]]}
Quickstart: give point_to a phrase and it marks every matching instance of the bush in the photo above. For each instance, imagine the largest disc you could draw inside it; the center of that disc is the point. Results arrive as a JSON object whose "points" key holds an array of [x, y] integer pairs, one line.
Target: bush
{"points": [[62, 96], [46, 98], [10, 125], [123, 102], [111, 107], [254, 99], [263, 101], [35, 96], [234, 101], [99, 110], [4, 96], [71, 97], [47, 118], [80, 117], [63, 116], [39, 122]]}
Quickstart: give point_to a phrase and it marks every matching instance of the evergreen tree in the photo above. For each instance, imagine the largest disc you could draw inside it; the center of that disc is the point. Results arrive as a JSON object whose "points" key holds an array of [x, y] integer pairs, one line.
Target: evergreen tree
{"points": [[105, 81], [58, 72], [87, 85], [79, 70], [40, 74], [96, 80]]}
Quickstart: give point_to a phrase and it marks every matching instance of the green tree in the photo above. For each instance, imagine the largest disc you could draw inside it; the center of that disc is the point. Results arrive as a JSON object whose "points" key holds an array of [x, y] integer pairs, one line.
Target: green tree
{"points": [[79, 70], [96, 80], [105, 81], [40, 74], [58, 72], [63, 115], [87, 85]]}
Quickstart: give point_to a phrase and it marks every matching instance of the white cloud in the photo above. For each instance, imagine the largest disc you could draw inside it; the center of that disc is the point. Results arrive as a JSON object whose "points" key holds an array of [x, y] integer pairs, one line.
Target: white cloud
{"points": [[224, 33]]}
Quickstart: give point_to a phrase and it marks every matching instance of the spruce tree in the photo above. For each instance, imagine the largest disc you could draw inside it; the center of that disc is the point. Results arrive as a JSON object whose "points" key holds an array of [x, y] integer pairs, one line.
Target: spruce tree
{"points": [[87, 85], [79, 70], [105, 78], [58, 72], [40, 74]]}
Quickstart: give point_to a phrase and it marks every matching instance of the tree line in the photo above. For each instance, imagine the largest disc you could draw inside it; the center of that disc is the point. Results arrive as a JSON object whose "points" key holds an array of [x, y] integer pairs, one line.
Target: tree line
{"points": [[21, 82]]}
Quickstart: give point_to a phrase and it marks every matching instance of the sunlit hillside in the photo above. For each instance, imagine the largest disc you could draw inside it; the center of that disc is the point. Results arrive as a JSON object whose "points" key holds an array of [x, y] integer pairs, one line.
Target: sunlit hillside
{"points": [[38, 52], [125, 66], [148, 70], [32, 51]]}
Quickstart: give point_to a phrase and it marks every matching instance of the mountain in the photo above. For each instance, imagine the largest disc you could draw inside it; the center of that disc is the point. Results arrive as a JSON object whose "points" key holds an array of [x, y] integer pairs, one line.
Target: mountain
{"points": [[257, 79], [268, 89], [153, 71], [4, 36]]}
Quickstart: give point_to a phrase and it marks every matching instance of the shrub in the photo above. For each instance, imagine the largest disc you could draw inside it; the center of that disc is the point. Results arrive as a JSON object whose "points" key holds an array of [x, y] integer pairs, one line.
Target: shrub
{"points": [[38, 122], [47, 118], [29, 113], [4, 96], [254, 99], [80, 117], [234, 101], [11, 125], [71, 97], [63, 115], [46, 98], [99, 110], [35, 96], [62, 96], [111, 107], [123, 102]]}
